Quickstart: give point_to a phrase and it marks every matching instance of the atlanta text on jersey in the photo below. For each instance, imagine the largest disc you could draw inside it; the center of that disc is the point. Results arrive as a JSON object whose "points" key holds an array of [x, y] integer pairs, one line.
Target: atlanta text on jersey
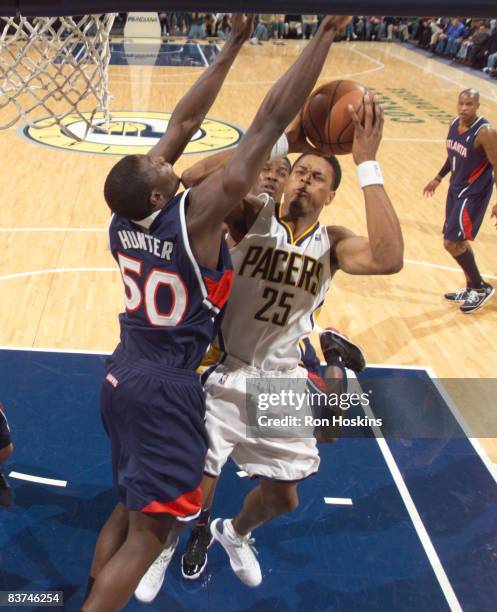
{"points": [[453, 145]]}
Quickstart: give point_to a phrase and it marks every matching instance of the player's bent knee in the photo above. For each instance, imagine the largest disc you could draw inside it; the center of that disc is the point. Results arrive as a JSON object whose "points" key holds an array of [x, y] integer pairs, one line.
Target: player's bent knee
{"points": [[454, 248], [281, 501], [284, 506]]}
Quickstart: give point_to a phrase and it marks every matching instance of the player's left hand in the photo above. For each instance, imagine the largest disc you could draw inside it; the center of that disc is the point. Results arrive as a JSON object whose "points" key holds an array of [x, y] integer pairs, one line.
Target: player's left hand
{"points": [[297, 141], [241, 27], [494, 214], [367, 137]]}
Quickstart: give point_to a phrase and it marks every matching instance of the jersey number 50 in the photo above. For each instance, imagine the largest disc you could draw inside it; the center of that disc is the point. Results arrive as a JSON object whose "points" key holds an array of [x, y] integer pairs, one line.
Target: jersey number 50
{"points": [[133, 296]]}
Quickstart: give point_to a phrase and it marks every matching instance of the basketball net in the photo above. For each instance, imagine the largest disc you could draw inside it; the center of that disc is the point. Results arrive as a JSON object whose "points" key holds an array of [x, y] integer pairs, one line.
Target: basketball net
{"points": [[58, 65]]}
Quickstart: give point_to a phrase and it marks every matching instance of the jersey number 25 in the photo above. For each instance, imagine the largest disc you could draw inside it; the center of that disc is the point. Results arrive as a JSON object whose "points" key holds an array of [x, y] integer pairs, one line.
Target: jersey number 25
{"points": [[134, 297]]}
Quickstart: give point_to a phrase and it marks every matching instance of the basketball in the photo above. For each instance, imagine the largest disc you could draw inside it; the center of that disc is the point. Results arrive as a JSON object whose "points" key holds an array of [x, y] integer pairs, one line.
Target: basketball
{"points": [[326, 119]]}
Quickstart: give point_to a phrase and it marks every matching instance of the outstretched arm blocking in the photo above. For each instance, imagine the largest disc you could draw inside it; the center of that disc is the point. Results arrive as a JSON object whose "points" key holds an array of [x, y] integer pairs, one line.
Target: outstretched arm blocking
{"points": [[212, 201], [195, 104]]}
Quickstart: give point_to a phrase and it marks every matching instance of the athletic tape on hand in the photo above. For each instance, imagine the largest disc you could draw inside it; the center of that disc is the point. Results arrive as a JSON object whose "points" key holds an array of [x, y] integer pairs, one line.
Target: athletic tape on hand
{"points": [[369, 173]]}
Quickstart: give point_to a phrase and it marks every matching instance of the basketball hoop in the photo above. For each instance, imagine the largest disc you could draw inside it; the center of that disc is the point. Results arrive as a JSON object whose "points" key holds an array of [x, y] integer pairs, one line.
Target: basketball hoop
{"points": [[58, 65]]}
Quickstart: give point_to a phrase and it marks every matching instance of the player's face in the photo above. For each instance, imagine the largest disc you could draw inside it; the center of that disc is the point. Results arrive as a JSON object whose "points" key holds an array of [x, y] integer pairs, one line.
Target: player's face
{"points": [[309, 187], [272, 179], [164, 180], [467, 107]]}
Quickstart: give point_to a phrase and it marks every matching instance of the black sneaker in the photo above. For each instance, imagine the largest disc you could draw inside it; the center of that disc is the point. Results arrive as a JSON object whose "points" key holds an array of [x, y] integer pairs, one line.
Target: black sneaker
{"points": [[194, 560], [461, 295], [6, 498], [476, 299], [333, 341]]}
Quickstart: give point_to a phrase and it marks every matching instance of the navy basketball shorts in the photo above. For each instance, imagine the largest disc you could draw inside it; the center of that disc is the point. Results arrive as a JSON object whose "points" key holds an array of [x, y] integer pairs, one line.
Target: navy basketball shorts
{"points": [[464, 215], [154, 417], [5, 438]]}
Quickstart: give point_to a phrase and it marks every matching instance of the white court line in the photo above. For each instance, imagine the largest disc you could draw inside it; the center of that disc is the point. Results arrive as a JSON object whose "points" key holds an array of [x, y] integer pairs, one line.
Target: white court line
{"points": [[427, 264], [328, 77], [56, 271], [11, 230], [396, 367], [202, 54], [415, 262], [338, 501], [426, 542], [421, 140], [462, 423], [481, 452], [39, 479]]}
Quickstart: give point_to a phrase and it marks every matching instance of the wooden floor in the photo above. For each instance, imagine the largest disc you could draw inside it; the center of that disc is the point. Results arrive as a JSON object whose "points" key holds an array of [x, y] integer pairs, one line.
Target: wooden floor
{"points": [[60, 288]]}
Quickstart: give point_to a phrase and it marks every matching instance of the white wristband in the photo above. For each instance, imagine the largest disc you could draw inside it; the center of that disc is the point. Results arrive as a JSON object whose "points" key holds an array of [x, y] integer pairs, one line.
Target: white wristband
{"points": [[280, 149], [369, 173]]}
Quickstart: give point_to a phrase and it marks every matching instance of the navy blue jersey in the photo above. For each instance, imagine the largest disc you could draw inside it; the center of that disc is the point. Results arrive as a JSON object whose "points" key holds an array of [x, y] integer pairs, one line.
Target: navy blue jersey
{"points": [[471, 172], [173, 305], [309, 359]]}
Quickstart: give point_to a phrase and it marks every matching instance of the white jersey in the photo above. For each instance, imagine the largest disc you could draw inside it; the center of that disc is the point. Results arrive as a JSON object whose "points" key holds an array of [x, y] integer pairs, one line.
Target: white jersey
{"points": [[279, 284]]}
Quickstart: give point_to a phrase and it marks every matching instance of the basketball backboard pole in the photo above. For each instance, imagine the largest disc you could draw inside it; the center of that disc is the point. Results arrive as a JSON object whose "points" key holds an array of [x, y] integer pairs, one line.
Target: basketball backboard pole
{"points": [[440, 8]]}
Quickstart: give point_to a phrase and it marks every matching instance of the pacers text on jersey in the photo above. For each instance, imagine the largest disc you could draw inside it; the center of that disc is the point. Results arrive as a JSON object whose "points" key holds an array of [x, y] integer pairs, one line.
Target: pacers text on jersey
{"points": [[287, 268]]}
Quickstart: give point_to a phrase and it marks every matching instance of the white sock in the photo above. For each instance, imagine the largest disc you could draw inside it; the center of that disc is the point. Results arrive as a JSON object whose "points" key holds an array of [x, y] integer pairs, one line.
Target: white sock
{"points": [[230, 531]]}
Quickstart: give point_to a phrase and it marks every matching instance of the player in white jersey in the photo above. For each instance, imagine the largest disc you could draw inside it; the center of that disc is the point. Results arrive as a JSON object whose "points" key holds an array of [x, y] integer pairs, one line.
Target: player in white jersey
{"points": [[284, 261], [283, 267]]}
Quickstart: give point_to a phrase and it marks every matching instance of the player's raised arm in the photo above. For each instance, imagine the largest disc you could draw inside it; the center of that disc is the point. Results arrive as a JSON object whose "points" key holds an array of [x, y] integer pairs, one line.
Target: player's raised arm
{"points": [[382, 251], [193, 107], [212, 201]]}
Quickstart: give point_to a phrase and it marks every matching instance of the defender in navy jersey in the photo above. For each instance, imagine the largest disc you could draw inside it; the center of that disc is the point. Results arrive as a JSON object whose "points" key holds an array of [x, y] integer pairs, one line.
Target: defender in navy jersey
{"points": [[171, 252], [472, 163]]}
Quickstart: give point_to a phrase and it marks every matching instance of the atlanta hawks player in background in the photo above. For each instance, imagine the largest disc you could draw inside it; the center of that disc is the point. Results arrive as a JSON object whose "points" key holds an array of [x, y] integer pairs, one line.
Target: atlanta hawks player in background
{"points": [[472, 162]]}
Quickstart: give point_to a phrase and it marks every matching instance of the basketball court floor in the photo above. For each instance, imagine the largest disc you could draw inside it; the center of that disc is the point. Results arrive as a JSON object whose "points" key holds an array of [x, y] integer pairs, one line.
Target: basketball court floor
{"points": [[401, 522]]}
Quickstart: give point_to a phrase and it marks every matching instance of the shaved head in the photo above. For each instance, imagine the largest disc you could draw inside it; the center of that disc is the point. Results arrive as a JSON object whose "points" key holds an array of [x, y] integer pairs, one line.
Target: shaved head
{"points": [[467, 106], [471, 93]]}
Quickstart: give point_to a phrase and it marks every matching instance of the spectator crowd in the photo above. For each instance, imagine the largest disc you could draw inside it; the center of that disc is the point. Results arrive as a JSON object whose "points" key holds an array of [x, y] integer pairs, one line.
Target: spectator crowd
{"points": [[470, 42]]}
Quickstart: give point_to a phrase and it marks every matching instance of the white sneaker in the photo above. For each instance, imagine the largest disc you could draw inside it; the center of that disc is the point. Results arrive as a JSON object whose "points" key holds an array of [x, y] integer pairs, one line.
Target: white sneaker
{"points": [[150, 585], [240, 551]]}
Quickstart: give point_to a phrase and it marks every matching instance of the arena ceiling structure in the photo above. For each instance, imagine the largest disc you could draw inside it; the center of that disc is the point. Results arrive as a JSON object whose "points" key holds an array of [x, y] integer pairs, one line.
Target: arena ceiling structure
{"points": [[477, 8]]}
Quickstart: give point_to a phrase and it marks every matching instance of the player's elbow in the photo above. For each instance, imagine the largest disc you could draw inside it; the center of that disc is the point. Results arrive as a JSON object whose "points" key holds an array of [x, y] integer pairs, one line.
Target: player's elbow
{"points": [[188, 178], [392, 265], [395, 267]]}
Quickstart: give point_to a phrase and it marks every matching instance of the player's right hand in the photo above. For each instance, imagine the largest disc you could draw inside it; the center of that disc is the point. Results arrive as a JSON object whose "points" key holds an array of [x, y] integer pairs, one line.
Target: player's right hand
{"points": [[367, 136], [335, 22], [241, 27], [429, 190]]}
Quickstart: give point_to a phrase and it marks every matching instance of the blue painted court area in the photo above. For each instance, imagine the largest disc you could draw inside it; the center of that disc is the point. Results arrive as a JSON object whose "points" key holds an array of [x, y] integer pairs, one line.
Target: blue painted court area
{"points": [[162, 54], [367, 556]]}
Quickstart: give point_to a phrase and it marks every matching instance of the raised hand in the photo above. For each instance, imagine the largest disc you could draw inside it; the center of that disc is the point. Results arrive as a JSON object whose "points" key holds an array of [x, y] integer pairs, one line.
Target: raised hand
{"points": [[241, 27], [367, 137], [297, 141], [335, 22], [429, 190]]}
